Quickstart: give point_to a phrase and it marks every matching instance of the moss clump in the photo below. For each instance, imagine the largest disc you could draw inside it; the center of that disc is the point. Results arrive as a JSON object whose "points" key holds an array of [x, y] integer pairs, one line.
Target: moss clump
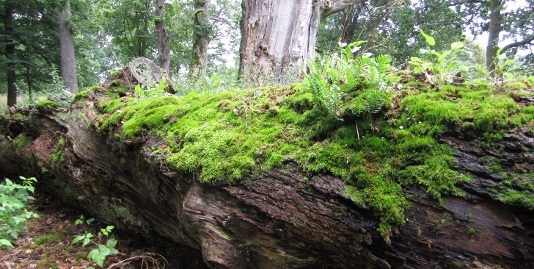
{"points": [[84, 94], [21, 141], [58, 155], [466, 111], [378, 149], [47, 104], [523, 198], [48, 238]]}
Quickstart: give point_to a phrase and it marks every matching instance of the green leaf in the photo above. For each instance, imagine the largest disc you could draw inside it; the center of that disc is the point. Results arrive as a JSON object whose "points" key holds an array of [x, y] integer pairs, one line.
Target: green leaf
{"points": [[457, 45], [78, 239], [428, 38], [4, 243]]}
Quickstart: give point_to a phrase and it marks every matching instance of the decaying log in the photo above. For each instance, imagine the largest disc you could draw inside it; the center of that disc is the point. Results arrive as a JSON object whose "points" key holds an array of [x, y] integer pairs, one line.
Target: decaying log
{"points": [[276, 219]]}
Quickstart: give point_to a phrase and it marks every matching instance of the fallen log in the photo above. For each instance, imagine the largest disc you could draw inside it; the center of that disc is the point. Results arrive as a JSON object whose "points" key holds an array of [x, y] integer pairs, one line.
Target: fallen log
{"points": [[281, 217]]}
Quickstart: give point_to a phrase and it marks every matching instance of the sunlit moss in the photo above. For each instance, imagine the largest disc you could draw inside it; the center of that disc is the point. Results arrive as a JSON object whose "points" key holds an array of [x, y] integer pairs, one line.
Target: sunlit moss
{"points": [[377, 148]]}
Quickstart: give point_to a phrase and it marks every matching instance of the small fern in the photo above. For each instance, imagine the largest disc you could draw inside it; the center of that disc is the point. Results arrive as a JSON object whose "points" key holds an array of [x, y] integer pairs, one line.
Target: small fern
{"points": [[333, 78]]}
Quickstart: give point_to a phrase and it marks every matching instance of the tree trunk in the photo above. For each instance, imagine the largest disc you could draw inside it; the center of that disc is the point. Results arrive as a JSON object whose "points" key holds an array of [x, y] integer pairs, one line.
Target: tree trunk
{"points": [[66, 42], [162, 38], [495, 28], [278, 37], [10, 55], [199, 60], [350, 24], [275, 219]]}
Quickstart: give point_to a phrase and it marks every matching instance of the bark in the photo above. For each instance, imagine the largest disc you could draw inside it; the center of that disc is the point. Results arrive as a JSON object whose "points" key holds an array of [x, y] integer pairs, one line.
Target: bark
{"points": [[275, 219], [162, 38], [10, 54], [495, 28], [278, 37], [199, 59], [66, 42]]}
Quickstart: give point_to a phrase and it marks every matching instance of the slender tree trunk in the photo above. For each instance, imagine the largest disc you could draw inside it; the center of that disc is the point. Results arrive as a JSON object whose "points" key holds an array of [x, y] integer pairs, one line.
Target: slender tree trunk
{"points": [[349, 26], [10, 55], [68, 59], [199, 59], [495, 28], [278, 37], [162, 38]]}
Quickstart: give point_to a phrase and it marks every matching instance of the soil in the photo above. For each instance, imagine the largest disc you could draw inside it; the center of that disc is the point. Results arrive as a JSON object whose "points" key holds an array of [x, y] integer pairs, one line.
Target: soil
{"points": [[47, 243]]}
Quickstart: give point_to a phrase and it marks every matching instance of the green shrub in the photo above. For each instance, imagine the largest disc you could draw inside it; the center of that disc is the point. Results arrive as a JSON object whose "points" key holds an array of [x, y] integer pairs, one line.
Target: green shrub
{"points": [[14, 198]]}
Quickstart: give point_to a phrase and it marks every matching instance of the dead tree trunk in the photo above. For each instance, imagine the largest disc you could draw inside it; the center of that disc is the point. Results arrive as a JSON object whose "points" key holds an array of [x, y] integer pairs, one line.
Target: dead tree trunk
{"points": [[275, 219], [278, 37]]}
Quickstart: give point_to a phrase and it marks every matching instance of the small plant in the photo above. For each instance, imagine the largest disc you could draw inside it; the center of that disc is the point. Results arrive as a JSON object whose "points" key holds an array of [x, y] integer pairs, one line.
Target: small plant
{"points": [[441, 65], [142, 93], [14, 198], [101, 250], [505, 67], [333, 78]]}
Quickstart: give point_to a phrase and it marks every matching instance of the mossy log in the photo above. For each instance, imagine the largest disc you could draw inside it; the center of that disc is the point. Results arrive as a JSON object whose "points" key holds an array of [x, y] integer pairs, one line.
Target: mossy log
{"points": [[278, 218]]}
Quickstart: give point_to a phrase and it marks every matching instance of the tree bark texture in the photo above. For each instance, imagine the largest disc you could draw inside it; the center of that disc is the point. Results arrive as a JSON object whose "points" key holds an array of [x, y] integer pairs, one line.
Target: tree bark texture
{"points": [[66, 42], [275, 219], [279, 37], [10, 54], [199, 58], [494, 29], [162, 38]]}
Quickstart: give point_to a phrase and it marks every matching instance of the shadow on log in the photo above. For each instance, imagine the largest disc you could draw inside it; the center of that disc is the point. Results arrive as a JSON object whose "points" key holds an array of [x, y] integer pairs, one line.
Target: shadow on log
{"points": [[274, 219]]}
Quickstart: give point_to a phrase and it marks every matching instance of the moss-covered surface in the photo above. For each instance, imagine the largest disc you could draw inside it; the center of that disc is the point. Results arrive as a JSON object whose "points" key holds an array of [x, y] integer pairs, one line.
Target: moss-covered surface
{"points": [[47, 104], [21, 141], [231, 135], [58, 155]]}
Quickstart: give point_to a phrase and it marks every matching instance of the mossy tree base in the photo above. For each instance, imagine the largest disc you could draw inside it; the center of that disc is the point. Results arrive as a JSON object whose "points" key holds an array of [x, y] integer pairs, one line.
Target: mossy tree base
{"points": [[284, 217]]}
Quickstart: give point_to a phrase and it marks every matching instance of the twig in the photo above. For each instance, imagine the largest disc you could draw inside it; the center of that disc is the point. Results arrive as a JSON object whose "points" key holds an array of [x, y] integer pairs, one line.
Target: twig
{"points": [[148, 260]]}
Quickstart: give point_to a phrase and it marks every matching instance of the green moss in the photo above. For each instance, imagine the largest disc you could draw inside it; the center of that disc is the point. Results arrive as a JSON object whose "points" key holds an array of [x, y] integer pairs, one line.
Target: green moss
{"points": [[523, 198], [469, 112], [84, 94], [48, 238], [377, 150], [58, 155], [47, 104], [21, 141]]}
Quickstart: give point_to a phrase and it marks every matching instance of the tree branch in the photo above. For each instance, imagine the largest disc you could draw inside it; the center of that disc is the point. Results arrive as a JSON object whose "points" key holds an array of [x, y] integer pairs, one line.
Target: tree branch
{"points": [[518, 43], [330, 7]]}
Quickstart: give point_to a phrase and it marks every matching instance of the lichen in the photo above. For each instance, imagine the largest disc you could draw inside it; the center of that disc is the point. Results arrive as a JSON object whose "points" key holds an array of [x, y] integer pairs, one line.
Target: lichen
{"points": [[379, 151]]}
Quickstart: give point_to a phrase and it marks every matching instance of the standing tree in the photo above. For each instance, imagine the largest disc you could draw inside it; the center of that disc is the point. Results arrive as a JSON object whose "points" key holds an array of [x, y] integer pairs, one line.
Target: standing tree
{"points": [[503, 20], [199, 57], [7, 19], [278, 37], [68, 59], [162, 38]]}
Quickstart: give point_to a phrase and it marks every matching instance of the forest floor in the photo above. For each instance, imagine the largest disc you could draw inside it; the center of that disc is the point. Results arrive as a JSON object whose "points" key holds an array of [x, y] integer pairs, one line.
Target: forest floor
{"points": [[47, 243]]}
